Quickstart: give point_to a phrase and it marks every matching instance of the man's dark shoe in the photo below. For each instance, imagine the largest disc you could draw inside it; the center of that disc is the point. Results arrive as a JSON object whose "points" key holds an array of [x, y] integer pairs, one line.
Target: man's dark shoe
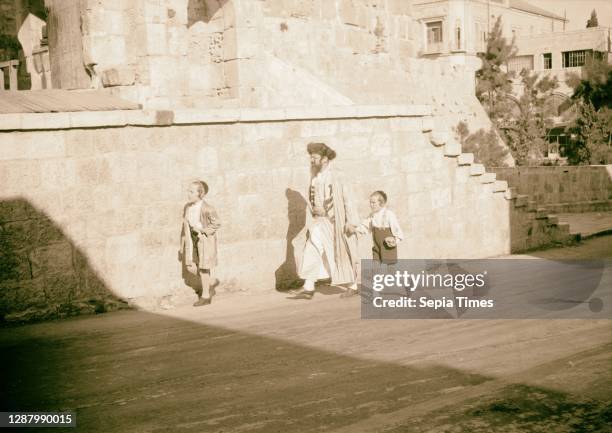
{"points": [[202, 301], [349, 293], [301, 294]]}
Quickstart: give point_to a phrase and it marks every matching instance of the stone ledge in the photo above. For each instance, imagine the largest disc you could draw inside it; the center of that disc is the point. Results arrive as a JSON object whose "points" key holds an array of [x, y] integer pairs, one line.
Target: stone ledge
{"points": [[117, 118]]}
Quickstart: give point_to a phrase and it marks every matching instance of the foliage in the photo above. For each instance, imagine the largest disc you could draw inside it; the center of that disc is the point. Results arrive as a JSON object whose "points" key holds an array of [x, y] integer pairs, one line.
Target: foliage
{"points": [[591, 136], [591, 131], [525, 133], [592, 22], [485, 145], [494, 82], [594, 86], [522, 122], [9, 47]]}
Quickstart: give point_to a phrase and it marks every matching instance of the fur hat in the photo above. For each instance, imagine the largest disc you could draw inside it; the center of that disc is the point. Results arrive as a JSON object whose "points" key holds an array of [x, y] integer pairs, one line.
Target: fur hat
{"points": [[321, 149]]}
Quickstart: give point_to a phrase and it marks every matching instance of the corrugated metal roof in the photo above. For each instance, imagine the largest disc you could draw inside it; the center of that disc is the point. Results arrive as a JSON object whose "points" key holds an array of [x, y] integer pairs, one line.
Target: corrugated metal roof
{"points": [[527, 7], [57, 100]]}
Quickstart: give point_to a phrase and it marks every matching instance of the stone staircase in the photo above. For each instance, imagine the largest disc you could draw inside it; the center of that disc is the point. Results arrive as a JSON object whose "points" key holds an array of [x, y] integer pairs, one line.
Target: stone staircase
{"points": [[531, 227]]}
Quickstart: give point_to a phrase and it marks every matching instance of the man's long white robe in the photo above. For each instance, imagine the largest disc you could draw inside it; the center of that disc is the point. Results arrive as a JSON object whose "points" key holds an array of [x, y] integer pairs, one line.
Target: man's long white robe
{"points": [[324, 249]]}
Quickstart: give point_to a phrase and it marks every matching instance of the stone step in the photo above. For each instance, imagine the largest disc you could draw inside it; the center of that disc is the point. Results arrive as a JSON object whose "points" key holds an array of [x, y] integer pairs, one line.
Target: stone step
{"points": [[521, 200], [427, 124], [500, 186], [487, 178], [541, 213], [477, 170], [564, 227], [452, 148], [466, 159], [532, 206], [553, 219], [438, 138], [511, 193]]}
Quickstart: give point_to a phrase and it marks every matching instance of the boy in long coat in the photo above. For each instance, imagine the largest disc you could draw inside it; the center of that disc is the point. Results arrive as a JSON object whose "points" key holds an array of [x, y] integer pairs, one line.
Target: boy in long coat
{"points": [[199, 238]]}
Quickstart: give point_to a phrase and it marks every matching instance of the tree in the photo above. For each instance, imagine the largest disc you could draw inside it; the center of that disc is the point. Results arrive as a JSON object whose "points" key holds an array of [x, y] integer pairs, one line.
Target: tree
{"points": [[494, 82], [493, 86], [522, 122], [594, 84], [592, 128], [525, 132], [592, 22]]}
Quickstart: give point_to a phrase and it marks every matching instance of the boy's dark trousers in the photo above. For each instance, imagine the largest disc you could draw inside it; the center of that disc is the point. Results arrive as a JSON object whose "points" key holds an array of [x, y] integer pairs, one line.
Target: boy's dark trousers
{"points": [[380, 251]]}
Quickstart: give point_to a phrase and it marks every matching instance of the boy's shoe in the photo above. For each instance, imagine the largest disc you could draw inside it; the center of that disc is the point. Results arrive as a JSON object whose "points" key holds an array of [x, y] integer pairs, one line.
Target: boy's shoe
{"points": [[202, 301], [301, 293], [213, 286]]}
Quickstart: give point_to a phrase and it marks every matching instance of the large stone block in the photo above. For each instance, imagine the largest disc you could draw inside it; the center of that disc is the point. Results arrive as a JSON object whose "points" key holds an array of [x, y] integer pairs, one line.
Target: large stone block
{"points": [[20, 235], [406, 124], [118, 76], [52, 259], [18, 296], [319, 128], [45, 120]]}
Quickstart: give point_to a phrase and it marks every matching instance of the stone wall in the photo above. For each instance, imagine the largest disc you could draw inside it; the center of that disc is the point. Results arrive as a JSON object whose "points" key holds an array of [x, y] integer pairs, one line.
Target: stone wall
{"points": [[562, 189], [93, 200], [273, 53], [367, 51]]}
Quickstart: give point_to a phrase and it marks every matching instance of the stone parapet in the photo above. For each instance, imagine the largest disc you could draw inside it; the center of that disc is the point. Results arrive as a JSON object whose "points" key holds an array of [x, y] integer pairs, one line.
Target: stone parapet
{"points": [[562, 188], [118, 118]]}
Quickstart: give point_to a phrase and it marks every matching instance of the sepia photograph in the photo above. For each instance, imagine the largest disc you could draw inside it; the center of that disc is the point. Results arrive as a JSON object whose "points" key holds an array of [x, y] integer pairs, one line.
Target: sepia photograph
{"points": [[306, 216]]}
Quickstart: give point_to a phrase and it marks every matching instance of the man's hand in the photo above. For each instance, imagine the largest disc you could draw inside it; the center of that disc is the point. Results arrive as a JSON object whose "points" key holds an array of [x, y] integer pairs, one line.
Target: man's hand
{"points": [[351, 229], [193, 268], [208, 232], [318, 211]]}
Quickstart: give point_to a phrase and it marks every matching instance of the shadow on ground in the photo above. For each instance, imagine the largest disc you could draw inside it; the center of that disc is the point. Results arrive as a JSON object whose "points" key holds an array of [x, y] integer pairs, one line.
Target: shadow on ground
{"points": [[134, 371]]}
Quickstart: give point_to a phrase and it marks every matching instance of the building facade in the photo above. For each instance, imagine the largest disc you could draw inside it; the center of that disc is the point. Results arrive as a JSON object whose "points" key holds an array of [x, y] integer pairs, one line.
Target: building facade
{"points": [[461, 26], [561, 54]]}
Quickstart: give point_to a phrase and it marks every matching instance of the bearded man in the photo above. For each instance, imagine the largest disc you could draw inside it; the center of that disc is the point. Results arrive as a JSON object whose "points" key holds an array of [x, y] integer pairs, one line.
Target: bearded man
{"points": [[327, 246]]}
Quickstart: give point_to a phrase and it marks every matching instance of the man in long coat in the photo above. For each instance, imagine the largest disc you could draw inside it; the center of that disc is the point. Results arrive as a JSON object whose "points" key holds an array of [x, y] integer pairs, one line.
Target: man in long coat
{"points": [[327, 246]]}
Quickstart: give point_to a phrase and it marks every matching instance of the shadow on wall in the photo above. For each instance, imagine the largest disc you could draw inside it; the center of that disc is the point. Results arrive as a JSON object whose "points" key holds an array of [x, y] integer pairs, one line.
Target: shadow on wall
{"points": [[43, 275], [202, 10], [286, 275]]}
